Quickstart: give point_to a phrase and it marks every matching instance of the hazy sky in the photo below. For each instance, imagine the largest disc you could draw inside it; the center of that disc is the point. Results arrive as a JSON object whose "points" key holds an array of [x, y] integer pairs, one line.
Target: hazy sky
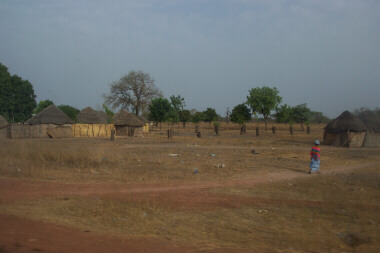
{"points": [[323, 53]]}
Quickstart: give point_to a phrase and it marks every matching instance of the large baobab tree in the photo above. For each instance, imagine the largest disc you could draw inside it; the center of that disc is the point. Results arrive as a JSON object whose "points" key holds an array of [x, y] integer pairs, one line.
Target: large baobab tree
{"points": [[133, 92]]}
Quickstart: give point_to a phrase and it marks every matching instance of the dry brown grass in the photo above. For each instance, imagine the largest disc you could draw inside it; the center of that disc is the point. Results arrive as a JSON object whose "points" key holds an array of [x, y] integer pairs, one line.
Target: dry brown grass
{"points": [[303, 215]]}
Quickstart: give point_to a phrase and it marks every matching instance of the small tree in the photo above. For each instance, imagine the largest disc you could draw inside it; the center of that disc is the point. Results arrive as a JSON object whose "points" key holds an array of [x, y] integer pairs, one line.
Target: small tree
{"points": [[70, 111], [263, 100], [240, 114], [159, 109], [283, 114], [301, 114], [109, 113], [196, 117], [184, 116], [209, 115]]}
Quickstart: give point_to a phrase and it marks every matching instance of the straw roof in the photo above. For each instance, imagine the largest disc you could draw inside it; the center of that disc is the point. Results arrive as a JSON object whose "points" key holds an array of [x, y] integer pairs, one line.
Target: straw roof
{"points": [[90, 116], [371, 120], [123, 118], [50, 115], [346, 122], [3, 122], [142, 118]]}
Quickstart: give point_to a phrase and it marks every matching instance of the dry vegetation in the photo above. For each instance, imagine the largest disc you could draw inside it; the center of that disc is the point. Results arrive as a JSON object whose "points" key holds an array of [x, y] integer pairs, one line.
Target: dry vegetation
{"points": [[336, 211]]}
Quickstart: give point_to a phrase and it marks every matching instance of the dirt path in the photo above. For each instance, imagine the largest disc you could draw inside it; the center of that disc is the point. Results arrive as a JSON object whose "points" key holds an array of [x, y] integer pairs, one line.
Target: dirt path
{"points": [[23, 235], [12, 189]]}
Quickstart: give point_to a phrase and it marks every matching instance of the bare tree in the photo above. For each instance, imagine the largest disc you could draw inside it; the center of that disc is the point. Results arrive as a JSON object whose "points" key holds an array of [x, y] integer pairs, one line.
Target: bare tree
{"points": [[132, 92]]}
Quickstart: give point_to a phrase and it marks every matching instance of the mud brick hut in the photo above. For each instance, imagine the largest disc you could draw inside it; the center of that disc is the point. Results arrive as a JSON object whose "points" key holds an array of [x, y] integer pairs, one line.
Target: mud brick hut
{"points": [[3, 127], [127, 124], [347, 130], [146, 124], [372, 122], [91, 123], [49, 123]]}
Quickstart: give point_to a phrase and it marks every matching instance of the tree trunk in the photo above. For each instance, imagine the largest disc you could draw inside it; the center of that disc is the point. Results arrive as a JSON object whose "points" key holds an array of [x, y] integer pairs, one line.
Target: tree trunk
{"points": [[196, 128], [308, 129], [266, 122], [112, 135], [216, 129], [274, 130], [170, 134], [199, 134], [257, 131], [160, 126], [302, 126], [291, 130], [184, 124]]}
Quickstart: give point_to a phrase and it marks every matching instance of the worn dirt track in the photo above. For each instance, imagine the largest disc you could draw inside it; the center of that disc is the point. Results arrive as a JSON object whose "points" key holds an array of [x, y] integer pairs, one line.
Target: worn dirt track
{"points": [[23, 235]]}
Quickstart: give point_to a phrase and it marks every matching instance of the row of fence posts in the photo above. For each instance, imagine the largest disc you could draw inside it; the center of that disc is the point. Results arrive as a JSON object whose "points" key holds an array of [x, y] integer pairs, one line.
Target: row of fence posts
{"points": [[243, 130]]}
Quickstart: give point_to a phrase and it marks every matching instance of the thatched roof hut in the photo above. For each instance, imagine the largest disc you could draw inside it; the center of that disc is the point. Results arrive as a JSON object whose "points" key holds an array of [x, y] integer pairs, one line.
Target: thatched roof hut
{"points": [[3, 122], [345, 130], [90, 116], [346, 122], [50, 115], [123, 118], [371, 120], [127, 124]]}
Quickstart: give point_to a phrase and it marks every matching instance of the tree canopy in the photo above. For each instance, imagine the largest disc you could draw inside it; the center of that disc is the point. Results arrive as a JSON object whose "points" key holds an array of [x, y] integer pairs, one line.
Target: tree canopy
{"points": [[263, 100], [132, 92], [17, 98], [209, 115], [159, 109], [184, 116], [42, 105], [240, 114], [70, 111]]}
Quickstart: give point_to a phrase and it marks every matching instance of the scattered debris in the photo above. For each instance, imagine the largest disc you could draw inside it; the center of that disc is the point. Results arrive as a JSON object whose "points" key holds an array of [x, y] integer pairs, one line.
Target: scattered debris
{"points": [[220, 165], [263, 211], [144, 214], [174, 154], [213, 155], [253, 151]]}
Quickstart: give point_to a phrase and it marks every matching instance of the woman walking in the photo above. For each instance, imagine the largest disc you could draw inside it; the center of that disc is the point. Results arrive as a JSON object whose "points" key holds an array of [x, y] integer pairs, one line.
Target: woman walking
{"points": [[315, 154]]}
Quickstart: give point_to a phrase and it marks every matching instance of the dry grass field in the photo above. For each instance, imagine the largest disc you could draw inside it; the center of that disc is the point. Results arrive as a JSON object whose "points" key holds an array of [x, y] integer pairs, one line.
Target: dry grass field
{"points": [[188, 194]]}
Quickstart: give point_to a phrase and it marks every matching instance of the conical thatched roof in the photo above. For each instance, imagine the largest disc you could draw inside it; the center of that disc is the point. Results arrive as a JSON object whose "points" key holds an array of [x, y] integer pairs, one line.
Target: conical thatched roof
{"points": [[3, 122], [90, 116], [103, 116], [371, 120], [50, 115], [346, 122], [123, 118], [143, 119]]}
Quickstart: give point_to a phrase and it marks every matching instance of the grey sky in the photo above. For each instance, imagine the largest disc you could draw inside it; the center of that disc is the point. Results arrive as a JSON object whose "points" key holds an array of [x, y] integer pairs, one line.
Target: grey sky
{"points": [[323, 53]]}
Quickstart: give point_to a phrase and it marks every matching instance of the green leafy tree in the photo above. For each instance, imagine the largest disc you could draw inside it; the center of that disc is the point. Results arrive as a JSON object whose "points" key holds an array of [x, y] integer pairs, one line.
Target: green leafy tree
{"points": [[318, 117], [159, 109], [196, 117], [132, 92], [184, 116], [70, 111], [240, 114], [109, 113], [263, 100], [301, 114], [17, 98], [209, 115], [177, 102], [172, 116], [42, 105], [284, 114]]}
